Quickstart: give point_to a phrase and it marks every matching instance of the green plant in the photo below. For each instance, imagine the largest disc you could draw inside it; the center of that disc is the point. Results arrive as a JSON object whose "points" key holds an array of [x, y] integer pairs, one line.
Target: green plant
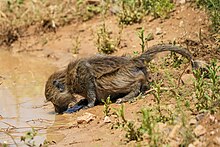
{"points": [[86, 10], [28, 139], [157, 95], [213, 70], [142, 37], [148, 125], [105, 43], [133, 11], [76, 45], [213, 7], [160, 8], [107, 107], [132, 133], [207, 91]]}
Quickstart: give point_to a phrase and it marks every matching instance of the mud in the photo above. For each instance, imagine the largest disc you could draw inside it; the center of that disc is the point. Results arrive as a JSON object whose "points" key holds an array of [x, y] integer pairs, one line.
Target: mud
{"points": [[25, 69], [22, 96]]}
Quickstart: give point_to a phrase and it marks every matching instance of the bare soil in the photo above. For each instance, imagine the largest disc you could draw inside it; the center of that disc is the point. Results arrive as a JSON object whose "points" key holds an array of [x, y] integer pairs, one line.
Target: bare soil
{"points": [[183, 27]]}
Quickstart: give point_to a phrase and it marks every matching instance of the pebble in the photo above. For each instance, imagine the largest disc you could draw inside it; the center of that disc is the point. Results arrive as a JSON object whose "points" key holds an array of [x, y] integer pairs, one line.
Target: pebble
{"points": [[181, 24], [182, 1], [217, 140], [191, 145], [174, 131], [158, 31], [193, 121], [199, 130], [107, 119], [86, 118]]}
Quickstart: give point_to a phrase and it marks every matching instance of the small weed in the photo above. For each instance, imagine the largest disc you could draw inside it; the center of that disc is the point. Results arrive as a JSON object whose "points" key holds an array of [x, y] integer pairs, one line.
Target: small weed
{"points": [[28, 139], [132, 133], [160, 8], [86, 10], [157, 96], [133, 11], [105, 43], [142, 38], [107, 107], [76, 45], [149, 125], [213, 7], [207, 91]]}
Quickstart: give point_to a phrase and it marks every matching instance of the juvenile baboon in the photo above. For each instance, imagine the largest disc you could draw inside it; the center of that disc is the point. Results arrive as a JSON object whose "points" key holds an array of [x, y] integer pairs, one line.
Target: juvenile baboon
{"points": [[98, 77], [56, 91]]}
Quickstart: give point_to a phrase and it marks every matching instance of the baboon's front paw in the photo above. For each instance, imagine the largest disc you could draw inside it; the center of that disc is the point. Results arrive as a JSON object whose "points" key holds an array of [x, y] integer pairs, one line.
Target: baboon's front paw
{"points": [[119, 101]]}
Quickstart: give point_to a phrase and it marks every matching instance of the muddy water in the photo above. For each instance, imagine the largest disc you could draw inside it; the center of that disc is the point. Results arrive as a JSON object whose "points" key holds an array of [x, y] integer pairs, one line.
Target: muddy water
{"points": [[22, 80]]}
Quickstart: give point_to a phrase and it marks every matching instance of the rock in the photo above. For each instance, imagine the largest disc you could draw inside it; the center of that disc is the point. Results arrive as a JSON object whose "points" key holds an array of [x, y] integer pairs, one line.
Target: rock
{"points": [[107, 119], [86, 118], [197, 143], [200, 116], [199, 130], [188, 79], [217, 140], [213, 119], [191, 145], [174, 131], [181, 24], [192, 121], [151, 18], [182, 1], [158, 31]]}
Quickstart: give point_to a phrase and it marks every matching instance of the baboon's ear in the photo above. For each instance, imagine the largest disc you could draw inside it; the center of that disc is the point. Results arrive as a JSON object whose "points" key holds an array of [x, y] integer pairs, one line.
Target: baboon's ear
{"points": [[60, 86]]}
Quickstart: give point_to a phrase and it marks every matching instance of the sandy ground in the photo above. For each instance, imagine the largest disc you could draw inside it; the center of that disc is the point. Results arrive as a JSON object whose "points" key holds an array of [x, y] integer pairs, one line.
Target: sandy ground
{"points": [[184, 24]]}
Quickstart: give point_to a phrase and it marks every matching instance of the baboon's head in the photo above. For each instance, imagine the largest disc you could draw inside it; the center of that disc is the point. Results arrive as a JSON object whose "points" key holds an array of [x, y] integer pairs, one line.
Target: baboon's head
{"points": [[56, 92]]}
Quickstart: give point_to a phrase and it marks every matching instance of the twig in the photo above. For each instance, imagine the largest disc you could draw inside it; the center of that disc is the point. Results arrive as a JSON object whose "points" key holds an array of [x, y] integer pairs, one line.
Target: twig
{"points": [[162, 89], [179, 79], [9, 124], [11, 137]]}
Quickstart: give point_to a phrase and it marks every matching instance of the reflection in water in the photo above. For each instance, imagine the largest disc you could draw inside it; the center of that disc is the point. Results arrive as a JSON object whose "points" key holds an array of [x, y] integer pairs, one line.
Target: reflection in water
{"points": [[22, 80]]}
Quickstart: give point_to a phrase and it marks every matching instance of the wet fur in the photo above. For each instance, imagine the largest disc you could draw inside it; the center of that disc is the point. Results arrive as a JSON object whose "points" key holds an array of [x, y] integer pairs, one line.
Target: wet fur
{"points": [[56, 91], [98, 77]]}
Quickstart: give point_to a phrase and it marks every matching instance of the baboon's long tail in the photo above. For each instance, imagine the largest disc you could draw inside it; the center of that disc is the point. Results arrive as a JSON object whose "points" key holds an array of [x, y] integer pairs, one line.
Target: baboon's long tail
{"points": [[149, 55]]}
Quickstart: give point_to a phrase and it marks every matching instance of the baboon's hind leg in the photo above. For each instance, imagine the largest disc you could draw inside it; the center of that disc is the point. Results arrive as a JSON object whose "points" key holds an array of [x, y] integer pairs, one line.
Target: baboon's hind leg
{"points": [[132, 94]]}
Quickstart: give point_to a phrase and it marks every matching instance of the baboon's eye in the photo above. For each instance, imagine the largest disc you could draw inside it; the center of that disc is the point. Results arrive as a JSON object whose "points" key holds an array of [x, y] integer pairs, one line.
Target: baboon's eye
{"points": [[59, 86]]}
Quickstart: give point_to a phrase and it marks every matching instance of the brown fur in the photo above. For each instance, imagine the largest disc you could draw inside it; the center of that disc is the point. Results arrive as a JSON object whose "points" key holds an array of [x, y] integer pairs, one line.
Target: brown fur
{"points": [[98, 77], [59, 96]]}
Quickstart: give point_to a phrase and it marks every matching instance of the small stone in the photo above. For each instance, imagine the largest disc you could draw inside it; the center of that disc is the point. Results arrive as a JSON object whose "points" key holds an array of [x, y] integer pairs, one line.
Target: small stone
{"points": [[182, 1], [158, 31], [212, 132], [197, 143], [181, 24], [161, 126], [199, 130], [193, 121], [151, 18], [174, 131], [107, 119], [217, 140], [86, 118], [200, 116], [191, 145], [212, 119], [188, 79]]}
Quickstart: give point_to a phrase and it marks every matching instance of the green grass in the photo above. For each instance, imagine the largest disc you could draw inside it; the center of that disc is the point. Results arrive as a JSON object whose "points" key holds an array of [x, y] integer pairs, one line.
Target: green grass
{"points": [[213, 8]]}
